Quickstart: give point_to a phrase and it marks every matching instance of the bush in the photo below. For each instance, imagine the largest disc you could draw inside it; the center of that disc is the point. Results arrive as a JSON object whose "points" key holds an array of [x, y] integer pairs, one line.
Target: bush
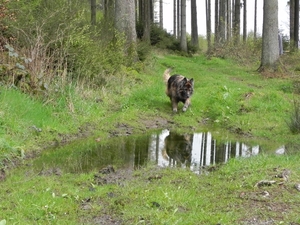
{"points": [[62, 45]]}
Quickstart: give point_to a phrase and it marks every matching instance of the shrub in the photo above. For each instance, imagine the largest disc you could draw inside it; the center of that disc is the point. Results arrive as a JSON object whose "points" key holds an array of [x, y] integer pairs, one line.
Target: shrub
{"points": [[62, 45]]}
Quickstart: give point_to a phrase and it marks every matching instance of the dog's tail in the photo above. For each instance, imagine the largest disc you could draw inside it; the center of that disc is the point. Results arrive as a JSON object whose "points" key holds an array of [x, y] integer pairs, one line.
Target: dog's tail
{"points": [[167, 75]]}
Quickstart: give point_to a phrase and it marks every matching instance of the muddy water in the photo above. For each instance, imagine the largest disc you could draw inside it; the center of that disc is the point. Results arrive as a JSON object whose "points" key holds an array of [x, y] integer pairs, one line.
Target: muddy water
{"points": [[166, 149]]}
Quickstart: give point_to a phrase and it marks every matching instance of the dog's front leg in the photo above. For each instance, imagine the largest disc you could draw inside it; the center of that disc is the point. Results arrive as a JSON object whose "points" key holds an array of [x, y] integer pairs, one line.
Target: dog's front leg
{"points": [[186, 105], [174, 105]]}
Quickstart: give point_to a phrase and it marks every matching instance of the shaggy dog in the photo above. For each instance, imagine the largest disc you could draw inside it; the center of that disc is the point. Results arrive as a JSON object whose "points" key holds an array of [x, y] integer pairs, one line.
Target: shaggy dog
{"points": [[179, 89]]}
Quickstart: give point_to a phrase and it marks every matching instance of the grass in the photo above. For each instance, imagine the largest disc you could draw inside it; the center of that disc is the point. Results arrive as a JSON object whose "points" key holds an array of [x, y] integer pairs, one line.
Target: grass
{"points": [[177, 196], [229, 100]]}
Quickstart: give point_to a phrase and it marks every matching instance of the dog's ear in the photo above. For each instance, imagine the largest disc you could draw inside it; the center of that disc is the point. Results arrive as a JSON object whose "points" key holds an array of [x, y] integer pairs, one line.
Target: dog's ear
{"points": [[185, 80], [192, 81]]}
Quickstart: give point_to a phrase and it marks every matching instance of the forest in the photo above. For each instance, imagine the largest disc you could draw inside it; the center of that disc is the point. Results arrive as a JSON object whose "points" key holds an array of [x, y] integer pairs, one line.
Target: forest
{"points": [[88, 135], [91, 40]]}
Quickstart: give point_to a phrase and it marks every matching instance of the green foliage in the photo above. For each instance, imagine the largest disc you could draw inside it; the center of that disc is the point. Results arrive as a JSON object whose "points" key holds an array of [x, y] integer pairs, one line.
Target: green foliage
{"points": [[64, 47], [294, 121], [245, 53]]}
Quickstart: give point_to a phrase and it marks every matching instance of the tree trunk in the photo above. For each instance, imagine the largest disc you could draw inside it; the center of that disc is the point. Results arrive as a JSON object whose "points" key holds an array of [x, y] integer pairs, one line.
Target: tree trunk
{"points": [[229, 13], [147, 21], [183, 42], [292, 21], [296, 24], [222, 22], [245, 21], [93, 12], [174, 19], [237, 25], [161, 15], [109, 10], [216, 22], [194, 38], [125, 21], [178, 18], [270, 46], [208, 24], [255, 19]]}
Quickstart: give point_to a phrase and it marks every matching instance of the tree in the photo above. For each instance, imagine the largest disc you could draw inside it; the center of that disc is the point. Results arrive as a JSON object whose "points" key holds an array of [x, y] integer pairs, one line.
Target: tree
{"points": [[294, 24], [93, 12], [147, 20], [245, 21], [183, 42], [125, 21], [178, 18], [161, 16], [255, 19], [270, 46], [194, 38], [174, 18], [109, 7], [208, 24], [216, 21], [236, 23], [222, 22], [229, 13]]}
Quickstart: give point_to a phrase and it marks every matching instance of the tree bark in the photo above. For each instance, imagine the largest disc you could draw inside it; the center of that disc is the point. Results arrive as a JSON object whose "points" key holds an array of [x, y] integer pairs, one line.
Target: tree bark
{"points": [[161, 15], [174, 18], [270, 46], [229, 13], [296, 24], [194, 38], [222, 22], [125, 20], [183, 42], [178, 18], [93, 12], [255, 19], [237, 25], [216, 22], [292, 21], [245, 21], [147, 21], [109, 10], [208, 24]]}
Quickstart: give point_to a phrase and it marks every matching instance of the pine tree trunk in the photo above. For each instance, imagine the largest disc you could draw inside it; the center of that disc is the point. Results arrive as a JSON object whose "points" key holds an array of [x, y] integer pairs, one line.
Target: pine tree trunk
{"points": [[216, 22], [255, 19], [237, 25], [147, 21], [245, 21], [183, 42], [222, 22], [270, 46], [174, 18], [208, 24], [296, 24], [194, 38], [161, 15], [93, 12]]}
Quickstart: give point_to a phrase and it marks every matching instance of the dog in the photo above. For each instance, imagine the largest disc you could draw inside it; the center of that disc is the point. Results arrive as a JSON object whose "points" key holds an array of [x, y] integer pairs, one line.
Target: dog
{"points": [[179, 89], [179, 148]]}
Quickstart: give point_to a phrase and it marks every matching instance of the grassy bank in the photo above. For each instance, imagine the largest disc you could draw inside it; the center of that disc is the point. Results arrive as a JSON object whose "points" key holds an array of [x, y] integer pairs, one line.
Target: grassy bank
{"points": [[227, 97], [229, 100], [232, 194]]}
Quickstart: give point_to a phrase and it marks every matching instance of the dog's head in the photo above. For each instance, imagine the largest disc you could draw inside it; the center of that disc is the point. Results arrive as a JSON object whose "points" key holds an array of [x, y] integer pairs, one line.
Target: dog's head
{"points": [[186, 88]]}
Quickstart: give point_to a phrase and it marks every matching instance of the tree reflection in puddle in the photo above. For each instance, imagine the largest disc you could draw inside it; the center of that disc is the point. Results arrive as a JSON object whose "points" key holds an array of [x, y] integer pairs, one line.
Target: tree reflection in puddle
{"points": [[195, 151], [165, 149]]}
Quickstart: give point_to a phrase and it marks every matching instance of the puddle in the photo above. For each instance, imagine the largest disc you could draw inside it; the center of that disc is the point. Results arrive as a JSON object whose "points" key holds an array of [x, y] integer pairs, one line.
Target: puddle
{"points": [[165, 149]]}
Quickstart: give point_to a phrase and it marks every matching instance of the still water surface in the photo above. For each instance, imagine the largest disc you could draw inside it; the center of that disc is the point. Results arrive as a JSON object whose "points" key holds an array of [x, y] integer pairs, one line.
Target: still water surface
{"points": [[165, 149]]}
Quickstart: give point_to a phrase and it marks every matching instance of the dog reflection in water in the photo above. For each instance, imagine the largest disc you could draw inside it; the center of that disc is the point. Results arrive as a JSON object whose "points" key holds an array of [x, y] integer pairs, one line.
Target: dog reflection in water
{"points": [[178, 149]]}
